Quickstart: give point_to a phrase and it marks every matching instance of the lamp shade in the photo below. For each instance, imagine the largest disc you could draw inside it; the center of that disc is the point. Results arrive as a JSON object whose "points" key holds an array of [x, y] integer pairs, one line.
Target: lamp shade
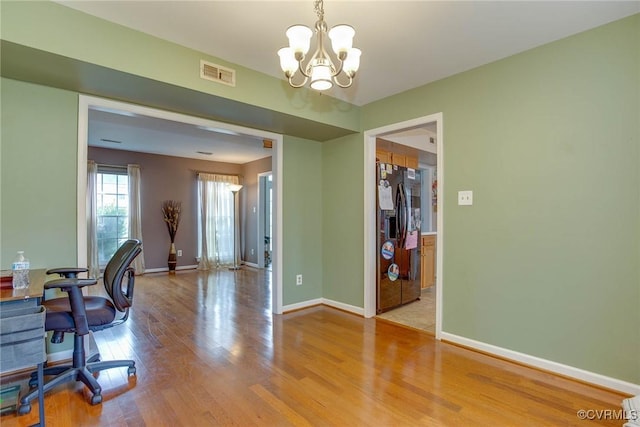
{"points": [[235, 187], [288, 61], [352, 62], [341, 38], [299, 38], [321, 77]]}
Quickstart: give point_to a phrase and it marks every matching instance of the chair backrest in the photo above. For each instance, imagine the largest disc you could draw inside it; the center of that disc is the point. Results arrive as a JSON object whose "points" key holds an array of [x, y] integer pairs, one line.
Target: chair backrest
{"points": [[114, 274]]}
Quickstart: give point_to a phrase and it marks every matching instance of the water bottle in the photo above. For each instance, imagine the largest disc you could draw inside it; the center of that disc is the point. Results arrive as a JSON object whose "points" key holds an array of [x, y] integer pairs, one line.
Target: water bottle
{"points": [[20, 269]]}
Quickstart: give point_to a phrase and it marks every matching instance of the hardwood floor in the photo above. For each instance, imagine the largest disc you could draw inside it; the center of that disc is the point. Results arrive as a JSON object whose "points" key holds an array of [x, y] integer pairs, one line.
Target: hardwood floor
{"points": [[209, 352]]}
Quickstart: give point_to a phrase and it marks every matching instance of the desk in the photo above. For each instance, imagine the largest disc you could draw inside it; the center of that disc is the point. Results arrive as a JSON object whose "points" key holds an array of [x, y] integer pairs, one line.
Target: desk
{"points": [[22, 325], [22, 335], [28, 297]]}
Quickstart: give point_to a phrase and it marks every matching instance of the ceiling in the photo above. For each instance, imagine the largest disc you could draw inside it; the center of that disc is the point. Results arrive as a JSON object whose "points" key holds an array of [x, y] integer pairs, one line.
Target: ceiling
{"points": [[405, 44], [134, 132]]}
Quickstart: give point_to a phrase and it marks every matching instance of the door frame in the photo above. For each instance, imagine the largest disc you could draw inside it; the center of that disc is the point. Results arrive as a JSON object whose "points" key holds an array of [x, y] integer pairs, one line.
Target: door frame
{"points": [[261, 217], [370, 249], [85, 103]]}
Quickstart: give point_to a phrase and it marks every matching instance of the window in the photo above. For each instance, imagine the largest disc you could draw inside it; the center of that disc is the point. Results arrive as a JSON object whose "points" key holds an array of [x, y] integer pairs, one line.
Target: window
{"points": [[112, 200]]}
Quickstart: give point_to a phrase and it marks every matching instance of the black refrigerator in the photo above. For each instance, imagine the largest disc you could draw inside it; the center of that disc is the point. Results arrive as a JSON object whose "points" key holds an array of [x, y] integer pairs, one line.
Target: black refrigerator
{"points": [[398, 222]]}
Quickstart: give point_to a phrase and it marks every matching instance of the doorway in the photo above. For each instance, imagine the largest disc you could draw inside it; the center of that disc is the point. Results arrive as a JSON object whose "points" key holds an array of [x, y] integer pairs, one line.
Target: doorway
{"points": [[87, 103], [370, 208]]}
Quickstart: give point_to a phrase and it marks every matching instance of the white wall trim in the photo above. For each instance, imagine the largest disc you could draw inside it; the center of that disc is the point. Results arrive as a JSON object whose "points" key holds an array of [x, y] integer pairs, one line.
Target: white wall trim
{"points": [[300, 305], [165, 269], [81, 190], [250, 264], [547, 365], [342, 306], [370, 250], [277, 167], [86, 102], [324, 301]]}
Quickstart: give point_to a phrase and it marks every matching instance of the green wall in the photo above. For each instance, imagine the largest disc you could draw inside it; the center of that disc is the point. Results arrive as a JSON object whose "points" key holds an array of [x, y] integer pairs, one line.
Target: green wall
{"points": [[302, 218], [343, 223], [54, 28], [546, 261], [38, 176]]}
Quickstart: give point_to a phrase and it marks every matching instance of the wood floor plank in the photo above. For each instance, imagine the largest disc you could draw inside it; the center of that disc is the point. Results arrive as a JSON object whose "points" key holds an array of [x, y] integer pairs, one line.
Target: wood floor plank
{"points": [[208, 352]]}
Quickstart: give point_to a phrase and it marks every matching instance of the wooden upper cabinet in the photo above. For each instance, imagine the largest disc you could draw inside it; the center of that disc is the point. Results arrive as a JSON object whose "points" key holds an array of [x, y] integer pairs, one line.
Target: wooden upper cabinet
{"points": [[399, 159], [412, 162], [383, 156]]}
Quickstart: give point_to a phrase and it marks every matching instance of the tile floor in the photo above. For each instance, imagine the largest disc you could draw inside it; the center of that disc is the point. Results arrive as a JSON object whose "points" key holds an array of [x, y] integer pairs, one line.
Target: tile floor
{"points": [[420, 314]]}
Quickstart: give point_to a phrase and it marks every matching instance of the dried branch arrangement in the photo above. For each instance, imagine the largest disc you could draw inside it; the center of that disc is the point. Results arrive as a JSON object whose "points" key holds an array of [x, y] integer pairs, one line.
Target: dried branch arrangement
{"points": [[171, 210]]}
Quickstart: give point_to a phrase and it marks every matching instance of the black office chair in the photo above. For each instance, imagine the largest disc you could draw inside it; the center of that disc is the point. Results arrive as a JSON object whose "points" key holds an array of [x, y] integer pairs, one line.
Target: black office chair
{"points": [[80, 314]]}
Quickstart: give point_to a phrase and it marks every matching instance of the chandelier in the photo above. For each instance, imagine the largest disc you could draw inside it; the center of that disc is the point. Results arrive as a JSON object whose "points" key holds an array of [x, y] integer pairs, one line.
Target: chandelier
{"points": [[320, 68]]}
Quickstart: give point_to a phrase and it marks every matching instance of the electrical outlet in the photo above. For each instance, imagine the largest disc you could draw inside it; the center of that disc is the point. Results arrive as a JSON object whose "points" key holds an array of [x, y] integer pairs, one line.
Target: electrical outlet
{"points": [[465, 198], [179, 252], [252, 251], [299, 279]]}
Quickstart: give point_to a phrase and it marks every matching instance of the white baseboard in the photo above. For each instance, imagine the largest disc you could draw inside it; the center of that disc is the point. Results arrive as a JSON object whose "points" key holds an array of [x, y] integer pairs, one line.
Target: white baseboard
{"points": [[165, 269], [547, 365], [250, 264], [342, 306], [301, 305], [318, 301]]}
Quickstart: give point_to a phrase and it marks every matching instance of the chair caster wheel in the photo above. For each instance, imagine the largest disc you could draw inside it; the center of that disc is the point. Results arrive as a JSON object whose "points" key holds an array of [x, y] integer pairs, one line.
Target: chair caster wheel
{"points": [[24, 409], [96, 399], [131, 370], [33, 383]]}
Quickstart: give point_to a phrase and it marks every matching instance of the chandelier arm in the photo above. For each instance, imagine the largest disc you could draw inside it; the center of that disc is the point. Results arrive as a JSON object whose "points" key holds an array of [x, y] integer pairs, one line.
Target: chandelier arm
{"points": [[297, 86], [339, 69], [337, 82], [303, 70]]}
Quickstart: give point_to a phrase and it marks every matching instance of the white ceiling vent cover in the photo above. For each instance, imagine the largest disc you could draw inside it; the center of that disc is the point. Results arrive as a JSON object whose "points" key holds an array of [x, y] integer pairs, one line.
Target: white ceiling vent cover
{"points": [[217, 73]]}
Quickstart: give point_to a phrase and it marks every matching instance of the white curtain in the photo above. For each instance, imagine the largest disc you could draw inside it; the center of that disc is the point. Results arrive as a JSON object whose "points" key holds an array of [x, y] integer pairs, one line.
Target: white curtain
{"points": [[216, 220], [92, 220], [135, 214]]}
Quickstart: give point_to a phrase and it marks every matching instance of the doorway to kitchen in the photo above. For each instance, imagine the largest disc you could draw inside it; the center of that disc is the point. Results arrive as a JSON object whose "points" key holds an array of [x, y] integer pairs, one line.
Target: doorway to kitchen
{"points": [[398, 133]]}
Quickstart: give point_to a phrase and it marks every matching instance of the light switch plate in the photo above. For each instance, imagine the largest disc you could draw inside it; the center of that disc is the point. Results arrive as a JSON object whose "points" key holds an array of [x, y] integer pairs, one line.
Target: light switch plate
{"points": [[465, 198]]}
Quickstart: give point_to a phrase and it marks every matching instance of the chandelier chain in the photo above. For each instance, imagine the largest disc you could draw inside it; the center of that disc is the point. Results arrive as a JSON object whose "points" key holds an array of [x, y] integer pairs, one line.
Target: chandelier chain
{"points": [[319, 7]]}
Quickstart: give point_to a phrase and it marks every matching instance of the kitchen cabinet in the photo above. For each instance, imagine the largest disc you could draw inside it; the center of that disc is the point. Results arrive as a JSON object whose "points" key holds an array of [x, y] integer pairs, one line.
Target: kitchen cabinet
{"points": [[397, 159], [383, 156], [412, 162], [428, 260]]}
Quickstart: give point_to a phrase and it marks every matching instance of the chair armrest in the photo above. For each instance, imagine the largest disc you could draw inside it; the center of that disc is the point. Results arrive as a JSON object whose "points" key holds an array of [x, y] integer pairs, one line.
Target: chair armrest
{"points": [[73, 287], [67, 271], [69, 282]]}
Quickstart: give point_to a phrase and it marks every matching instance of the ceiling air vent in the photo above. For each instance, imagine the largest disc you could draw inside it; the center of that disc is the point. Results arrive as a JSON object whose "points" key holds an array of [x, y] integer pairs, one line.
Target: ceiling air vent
{"points": [[217, 73]]}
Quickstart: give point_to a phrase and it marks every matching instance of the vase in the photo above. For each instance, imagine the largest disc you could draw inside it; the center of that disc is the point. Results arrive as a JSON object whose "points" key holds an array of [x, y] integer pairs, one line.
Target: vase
{"points": [[172, 261]]}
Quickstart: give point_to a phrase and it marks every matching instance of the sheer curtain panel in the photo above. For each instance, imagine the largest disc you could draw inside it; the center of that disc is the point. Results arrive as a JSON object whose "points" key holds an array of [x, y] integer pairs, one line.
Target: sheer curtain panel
{"points": [[135, 215], [92, 220], [215, 220]]}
